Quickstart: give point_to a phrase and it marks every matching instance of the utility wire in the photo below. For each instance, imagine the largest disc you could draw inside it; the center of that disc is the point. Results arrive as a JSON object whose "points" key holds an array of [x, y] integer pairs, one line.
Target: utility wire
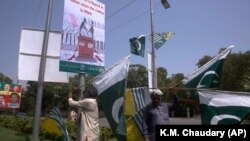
{"points": [[119, 10], [130, 20]]}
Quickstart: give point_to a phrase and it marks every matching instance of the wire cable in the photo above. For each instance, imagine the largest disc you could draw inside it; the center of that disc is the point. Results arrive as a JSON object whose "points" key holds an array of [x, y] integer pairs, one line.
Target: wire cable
{"points": [[130, 20], [119, 10]]}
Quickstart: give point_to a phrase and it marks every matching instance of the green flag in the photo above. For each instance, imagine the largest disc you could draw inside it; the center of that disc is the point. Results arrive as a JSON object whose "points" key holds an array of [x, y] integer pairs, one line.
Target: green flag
{"points": [[161, 38], [223, 107], [137, 45], [208, 75], [111, 86]]}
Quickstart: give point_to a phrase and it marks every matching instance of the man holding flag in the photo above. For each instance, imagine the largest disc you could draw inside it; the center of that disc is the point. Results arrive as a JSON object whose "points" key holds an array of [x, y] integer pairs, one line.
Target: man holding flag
{"points": [[88, 118], [157, 113]]}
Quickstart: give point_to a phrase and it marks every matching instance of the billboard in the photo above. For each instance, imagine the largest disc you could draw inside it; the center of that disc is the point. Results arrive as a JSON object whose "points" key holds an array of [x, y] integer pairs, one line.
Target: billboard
{"points": [[30, 55], [10, 96], [83, 41]]}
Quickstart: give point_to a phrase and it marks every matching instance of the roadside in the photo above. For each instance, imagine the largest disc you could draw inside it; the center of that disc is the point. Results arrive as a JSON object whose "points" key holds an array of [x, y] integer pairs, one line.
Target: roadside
{"points": [[173, 121]]}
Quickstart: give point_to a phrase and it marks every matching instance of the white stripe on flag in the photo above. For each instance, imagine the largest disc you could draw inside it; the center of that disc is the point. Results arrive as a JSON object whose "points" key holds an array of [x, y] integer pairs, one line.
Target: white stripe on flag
{"points": [[224, 98]]}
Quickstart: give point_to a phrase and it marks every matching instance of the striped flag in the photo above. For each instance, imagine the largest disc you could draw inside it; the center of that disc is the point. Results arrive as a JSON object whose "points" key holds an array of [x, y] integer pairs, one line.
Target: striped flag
{"points": [[161, 38], [135, 100], [56, 125], [56, 115]]}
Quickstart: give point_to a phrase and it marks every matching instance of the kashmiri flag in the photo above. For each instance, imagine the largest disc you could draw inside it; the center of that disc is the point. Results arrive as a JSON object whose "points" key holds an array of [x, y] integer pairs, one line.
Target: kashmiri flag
{"points": [[161, 38], [137, 45], [208, 75], [54, 124], [111, 86], [223, 107], [135, 100]]}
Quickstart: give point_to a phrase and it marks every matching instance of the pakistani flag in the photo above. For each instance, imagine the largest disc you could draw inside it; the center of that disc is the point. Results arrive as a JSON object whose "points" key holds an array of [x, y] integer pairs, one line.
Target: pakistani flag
{"points": [[208, 75], [161, 38], [223, 107], [111, 86], [137, 45]]}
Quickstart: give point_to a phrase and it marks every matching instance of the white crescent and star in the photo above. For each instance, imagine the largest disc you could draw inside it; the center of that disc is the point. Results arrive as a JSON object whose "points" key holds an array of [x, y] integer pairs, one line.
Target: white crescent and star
{"points": [[217, 118], [206, 74], [116, 108], [137, 44]]}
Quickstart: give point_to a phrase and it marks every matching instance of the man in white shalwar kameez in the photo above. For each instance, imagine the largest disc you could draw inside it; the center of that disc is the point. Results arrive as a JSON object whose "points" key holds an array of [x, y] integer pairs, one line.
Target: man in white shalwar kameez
{"points": [[88, 118]]}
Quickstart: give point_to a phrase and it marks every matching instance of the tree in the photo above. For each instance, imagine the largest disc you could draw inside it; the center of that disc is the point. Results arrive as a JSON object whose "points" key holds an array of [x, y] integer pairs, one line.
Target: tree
{"points": [[246, 79], [137, 76], [162, 77], [234, 71], [5, 78], [203, 60]]}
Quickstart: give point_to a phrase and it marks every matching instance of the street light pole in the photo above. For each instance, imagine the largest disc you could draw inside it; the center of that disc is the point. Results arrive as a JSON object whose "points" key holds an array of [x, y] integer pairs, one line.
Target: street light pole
{"points": [[153, 57]]}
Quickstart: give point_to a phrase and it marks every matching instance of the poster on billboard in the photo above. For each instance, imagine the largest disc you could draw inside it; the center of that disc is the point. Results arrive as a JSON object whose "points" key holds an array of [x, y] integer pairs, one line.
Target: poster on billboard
{"points": [[83, 41], [10, 95]]}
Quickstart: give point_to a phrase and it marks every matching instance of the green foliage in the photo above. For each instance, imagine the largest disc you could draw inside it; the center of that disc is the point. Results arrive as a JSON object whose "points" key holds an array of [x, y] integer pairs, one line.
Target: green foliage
{"points": [[137, 76], [25, 125], [106, 133], [4, 78]]}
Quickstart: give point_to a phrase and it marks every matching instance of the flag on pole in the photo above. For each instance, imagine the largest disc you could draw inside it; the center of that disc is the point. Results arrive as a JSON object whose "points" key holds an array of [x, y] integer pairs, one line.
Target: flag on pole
{"points": [[208, 75], [223, 107], [137, 45], [111, 86], [161, 38]]}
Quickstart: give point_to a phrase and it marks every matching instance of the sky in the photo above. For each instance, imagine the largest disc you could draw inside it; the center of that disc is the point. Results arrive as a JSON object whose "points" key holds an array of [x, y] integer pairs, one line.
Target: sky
{"points": [[201, 28]]}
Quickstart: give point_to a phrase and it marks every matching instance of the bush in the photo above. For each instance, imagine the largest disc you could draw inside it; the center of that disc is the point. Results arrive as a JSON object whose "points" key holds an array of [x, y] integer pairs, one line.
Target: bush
{"points": [[25, 125]]}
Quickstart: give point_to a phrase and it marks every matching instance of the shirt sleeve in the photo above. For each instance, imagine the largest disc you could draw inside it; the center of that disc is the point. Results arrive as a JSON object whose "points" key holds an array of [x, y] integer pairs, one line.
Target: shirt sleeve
{"points": [[86, 104]]}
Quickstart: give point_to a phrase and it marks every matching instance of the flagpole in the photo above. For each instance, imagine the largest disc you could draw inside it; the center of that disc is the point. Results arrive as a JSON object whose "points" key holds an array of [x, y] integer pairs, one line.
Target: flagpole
{"points": [[35, 136], [153, 56]]}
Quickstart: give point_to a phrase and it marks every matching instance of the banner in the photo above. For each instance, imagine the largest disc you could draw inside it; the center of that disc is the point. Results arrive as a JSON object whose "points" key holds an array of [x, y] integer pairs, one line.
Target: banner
{"points": [[83, 41], [137, 45], [10, 96]]}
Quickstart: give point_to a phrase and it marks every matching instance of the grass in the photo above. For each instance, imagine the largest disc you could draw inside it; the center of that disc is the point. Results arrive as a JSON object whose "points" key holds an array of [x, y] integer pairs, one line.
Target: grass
{"points": [[11, 135]]}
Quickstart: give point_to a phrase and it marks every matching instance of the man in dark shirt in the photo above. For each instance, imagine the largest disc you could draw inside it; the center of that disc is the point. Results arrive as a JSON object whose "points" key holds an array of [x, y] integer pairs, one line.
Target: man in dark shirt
{"points": [[157, 113]]}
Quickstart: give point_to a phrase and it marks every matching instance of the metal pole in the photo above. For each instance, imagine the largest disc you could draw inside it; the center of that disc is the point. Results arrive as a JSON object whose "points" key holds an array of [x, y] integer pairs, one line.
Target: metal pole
{"points": [[153, 56], [81, 85], [35, 136]]}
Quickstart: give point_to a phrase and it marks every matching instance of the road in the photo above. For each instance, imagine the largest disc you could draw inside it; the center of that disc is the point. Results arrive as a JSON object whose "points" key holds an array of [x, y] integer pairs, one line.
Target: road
{"points": [[173, 121]]}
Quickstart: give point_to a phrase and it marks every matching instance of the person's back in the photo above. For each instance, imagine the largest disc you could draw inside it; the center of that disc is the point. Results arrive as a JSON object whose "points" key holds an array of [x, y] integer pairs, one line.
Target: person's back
{"points": [[88, 118]]}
